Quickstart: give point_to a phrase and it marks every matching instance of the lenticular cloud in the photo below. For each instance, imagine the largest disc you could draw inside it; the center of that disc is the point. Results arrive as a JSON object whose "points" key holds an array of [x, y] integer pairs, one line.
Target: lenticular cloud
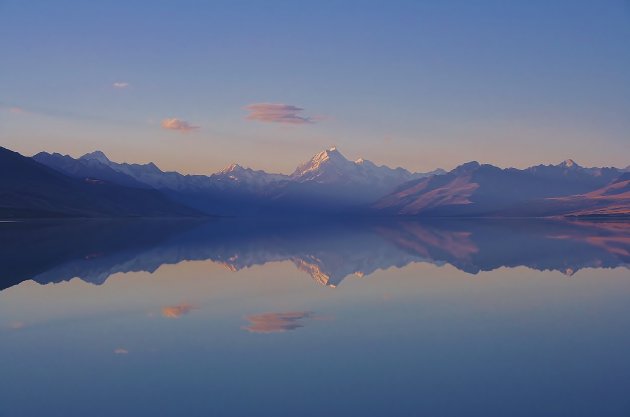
{"points": [[277, 113]]}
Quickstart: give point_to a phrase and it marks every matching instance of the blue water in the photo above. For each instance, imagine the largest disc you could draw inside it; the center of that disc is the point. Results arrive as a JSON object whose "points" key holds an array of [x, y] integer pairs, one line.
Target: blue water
{"points": [[311, 318]]}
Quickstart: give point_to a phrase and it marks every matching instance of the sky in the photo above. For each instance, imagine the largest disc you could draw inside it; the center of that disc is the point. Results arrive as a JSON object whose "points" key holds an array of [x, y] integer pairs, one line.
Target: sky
{"points": [[196, 85]]}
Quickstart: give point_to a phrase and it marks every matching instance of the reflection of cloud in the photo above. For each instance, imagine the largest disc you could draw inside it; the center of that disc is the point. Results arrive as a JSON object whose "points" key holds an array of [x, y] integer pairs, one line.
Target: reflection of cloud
{"points": [[178, 124], [277, 113], [120, 85], [121, 351], [614, 238], [276, 322], [175, 312], [16, 325]]}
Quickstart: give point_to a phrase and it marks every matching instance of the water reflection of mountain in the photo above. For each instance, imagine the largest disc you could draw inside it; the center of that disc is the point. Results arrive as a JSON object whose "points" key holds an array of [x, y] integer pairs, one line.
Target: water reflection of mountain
{"points": [[328, 251]]}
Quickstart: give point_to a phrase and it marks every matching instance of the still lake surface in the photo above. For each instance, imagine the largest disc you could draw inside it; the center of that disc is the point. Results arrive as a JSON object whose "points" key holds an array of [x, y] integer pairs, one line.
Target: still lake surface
{"points": [[308, 318]]}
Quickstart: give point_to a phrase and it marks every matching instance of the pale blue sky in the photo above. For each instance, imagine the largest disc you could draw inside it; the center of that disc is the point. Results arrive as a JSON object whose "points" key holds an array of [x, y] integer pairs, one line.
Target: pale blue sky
{"points": [[411, 83]]}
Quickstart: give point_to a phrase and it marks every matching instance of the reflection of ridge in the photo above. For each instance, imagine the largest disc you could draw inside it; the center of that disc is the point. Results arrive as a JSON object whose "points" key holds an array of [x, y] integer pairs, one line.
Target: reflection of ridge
{"points": [[431, 243], [53, 251], [485, 245], [327, 251], [616, 241]]}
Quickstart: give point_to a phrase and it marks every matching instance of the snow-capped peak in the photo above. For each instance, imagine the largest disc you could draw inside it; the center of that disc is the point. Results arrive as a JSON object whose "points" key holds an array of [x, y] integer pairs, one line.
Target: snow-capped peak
{"points": [[569, 163], [331, 167], [329, 154], [96, 156], [236, 174], [231, 168], [328, 157]]}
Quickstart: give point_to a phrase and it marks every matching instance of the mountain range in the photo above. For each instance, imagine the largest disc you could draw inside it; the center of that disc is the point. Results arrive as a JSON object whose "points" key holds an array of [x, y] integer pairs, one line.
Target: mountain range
{"points": [[51, 184], [482, 190], [31, 189], [327, 183]]}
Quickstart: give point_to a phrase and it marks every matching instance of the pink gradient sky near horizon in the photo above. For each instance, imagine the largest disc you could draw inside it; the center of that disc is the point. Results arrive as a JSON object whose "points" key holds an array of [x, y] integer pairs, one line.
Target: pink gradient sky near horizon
{"points": [[196, 87]]}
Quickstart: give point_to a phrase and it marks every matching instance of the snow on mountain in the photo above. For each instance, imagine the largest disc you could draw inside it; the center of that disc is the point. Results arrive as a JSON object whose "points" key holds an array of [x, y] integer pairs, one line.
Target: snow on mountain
{"points": [[232, 176], [326, 167], [330, 167], [569, 163], [238, 175], [96, 156], [329, 182], [323, 164], [570, 168], [148, 174], [88, 169]]}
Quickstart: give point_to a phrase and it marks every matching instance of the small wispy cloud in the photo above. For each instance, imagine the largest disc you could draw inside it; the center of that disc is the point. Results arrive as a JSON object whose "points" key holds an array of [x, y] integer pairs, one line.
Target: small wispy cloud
{"points": [[175, 312], [121, 351], [120, 84], [276, 322], [277, 113], [178, 124]]}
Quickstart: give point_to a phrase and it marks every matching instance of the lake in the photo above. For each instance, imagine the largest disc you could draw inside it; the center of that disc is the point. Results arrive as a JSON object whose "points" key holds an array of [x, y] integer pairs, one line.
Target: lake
{"points": [[312, 317]]}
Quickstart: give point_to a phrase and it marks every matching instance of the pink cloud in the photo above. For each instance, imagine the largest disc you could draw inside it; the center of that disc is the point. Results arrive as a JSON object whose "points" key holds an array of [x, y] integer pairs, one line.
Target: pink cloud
{"points": [[178, 124], [276, 322], [120, 84], [175, 312], [121, 351], [277, 113]]}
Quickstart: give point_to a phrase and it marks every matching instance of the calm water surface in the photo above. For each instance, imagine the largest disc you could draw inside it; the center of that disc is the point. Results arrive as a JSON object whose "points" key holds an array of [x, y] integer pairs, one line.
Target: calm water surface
{"points": [[310, 318]]}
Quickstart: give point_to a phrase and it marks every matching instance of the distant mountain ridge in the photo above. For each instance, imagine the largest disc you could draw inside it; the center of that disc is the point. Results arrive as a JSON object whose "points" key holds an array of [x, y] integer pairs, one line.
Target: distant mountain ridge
{"points": [[86, 168], [31, 189], [329, 183], [482, 190]]}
